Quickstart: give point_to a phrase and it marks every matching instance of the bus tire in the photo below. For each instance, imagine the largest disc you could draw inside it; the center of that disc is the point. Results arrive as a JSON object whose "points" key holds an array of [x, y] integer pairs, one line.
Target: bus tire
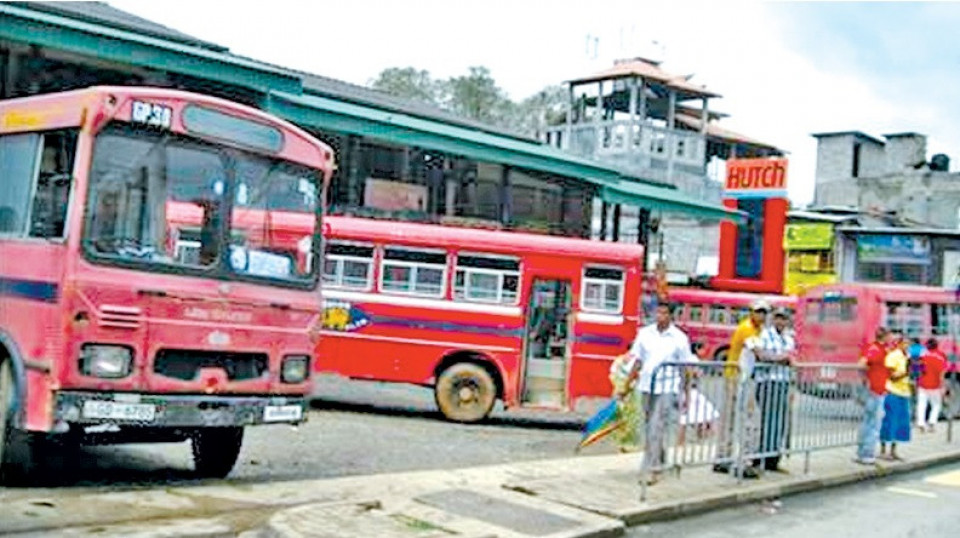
{"points": [[465, 392], [16, 446], [215, 450]]}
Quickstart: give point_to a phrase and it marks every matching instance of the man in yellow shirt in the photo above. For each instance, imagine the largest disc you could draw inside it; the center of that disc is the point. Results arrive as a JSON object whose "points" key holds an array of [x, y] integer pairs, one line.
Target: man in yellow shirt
{"points": [[749, 327]]}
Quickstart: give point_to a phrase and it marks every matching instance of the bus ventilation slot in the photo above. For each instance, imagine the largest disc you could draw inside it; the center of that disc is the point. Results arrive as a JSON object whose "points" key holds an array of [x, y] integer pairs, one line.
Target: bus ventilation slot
{"points": [[186, 364], [120, 317]]}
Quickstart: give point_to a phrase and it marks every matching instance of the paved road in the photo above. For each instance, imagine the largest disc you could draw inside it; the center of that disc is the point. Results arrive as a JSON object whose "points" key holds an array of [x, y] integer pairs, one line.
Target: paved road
{"points": [[356, 429], [922, 504]]}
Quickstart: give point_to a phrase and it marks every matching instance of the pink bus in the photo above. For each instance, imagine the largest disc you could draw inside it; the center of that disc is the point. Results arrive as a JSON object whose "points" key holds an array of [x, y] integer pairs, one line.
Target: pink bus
{"points": [[709, 317], [114, 327], [835, 321]]}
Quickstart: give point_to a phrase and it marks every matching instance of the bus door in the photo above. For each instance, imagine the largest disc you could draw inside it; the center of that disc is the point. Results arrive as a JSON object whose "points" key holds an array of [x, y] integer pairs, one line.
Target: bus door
{"points": [[547, 343]]}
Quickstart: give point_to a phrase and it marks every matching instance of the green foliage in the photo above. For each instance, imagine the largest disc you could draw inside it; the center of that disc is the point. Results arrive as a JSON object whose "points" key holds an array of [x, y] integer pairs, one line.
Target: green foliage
{"points": [[476, 96], [409, 83]]}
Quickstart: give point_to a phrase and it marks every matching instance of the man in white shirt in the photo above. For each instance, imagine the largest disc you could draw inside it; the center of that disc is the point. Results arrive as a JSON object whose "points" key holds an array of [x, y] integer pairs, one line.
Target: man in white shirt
{"points": [[656, 344]]}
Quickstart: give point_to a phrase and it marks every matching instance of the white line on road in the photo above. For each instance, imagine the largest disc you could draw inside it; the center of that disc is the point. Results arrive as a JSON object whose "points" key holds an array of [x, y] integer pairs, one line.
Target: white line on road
{"points": [[914, 492]]}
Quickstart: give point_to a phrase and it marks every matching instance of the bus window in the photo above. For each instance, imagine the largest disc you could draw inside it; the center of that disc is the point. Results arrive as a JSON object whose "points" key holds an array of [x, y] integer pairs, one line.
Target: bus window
{"points": [[413, 272], [945, 319], [742, 314], [54, 179], [18, 154], [486, 278], [907, 318], [812, 310], [842, 309], [603, 289], [348, 266], [719, 315], [696, 312]]}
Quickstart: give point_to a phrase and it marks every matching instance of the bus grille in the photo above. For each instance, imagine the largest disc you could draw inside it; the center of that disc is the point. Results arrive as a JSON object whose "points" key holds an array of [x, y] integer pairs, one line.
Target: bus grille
{"points": [[186, 364]]}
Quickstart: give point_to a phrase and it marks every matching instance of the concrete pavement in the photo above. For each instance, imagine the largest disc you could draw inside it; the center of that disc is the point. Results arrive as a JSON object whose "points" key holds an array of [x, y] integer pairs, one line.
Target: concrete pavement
{"points": [[582, 496]]}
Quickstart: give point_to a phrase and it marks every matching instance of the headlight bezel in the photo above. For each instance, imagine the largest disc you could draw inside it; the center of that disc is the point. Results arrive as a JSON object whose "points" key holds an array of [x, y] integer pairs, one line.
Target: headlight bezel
{"points": [[295, 361], [94, 356]]}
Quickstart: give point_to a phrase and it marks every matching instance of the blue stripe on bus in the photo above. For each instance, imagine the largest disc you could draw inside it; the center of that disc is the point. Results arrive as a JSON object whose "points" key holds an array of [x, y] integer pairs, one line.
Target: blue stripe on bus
{"points": [[452, 326], [29, 289], [600, 339], [472, 328]]}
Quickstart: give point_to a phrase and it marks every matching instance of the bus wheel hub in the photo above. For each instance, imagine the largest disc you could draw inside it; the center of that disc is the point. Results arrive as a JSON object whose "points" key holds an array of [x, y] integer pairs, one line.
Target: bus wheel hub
{"points": [[467, 394]]}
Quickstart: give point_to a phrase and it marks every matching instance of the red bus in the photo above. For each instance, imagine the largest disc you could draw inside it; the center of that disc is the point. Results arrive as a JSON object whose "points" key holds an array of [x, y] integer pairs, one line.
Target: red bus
{"points": [[478, 315], [834, 322], [116, 326], [709, 317]]}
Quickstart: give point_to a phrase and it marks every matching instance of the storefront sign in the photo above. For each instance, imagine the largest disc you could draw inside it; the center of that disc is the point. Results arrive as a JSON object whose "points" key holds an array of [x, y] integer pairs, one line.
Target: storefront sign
{"points": [[809, 236], [394, 195], [879, 248], [756, 178]]}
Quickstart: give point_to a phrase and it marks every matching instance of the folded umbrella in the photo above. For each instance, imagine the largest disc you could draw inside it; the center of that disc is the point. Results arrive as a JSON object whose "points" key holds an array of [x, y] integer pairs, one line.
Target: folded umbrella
{"points": [[601, 424]]}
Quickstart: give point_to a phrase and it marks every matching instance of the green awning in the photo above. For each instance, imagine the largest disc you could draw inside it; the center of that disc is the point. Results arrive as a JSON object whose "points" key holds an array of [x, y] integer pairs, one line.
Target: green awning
{"points": [[24, 25], [338, 116], [404, 129], [659, 199]]}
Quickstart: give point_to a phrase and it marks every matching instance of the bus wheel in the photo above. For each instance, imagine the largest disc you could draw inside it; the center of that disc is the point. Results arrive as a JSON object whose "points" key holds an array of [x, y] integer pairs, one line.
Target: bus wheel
{"points": [[215, 451], [465, 392], [16, 447]]}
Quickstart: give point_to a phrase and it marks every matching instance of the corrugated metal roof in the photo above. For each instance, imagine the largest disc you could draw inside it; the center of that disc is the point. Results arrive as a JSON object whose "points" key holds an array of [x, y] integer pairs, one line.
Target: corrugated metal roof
{"points": [[897, 230], [103, 13]]}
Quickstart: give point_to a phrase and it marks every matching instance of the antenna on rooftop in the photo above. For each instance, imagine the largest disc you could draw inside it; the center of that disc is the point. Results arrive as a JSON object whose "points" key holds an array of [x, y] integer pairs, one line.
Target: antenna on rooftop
{"points": [[593, 46]]}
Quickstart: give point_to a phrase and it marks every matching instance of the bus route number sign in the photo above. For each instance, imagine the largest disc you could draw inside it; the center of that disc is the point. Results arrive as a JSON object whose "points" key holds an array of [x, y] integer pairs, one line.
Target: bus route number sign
{"points": [[151, 115]]}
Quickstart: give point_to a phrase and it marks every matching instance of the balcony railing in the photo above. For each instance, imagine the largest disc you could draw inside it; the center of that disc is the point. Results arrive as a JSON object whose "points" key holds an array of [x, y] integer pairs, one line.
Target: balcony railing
{"points": [[633, 142]]}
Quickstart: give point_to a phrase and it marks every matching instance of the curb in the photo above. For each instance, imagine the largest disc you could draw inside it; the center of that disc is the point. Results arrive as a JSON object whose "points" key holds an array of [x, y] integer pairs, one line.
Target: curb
{"points": [[673, 510]]}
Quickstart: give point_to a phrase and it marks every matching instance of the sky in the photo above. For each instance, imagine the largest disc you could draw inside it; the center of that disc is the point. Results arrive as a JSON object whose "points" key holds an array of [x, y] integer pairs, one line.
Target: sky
{"points": [[785, 70]]}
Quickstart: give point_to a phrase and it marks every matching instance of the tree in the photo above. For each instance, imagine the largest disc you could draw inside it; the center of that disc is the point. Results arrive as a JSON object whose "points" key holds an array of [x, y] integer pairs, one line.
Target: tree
{"points": [[477, 96], [409, 83], [545, 108]]}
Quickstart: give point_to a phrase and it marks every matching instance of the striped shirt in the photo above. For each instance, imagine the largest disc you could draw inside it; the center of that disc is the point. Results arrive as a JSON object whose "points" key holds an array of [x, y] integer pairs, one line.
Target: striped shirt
{"points": [[775, 342]]}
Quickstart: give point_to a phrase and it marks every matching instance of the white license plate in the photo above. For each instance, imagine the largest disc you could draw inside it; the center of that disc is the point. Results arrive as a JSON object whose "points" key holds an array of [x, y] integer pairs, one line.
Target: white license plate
{"points": [[282, 413], [119, 411]]}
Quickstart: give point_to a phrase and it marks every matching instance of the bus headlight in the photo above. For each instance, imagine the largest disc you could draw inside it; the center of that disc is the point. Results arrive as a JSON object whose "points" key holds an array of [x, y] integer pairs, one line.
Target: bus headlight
{"points": [[295, 369], [106, 361]]}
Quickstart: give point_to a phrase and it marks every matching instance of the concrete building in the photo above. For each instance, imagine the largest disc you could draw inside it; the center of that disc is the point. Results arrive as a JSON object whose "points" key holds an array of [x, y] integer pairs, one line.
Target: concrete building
{"points": [[891, 175], [845, 244], [658, 126]]}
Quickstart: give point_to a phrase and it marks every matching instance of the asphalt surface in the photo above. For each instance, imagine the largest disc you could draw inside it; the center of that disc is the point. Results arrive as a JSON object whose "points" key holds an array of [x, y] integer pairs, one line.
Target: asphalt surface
{"points": [[354, 428], [923, 504]]}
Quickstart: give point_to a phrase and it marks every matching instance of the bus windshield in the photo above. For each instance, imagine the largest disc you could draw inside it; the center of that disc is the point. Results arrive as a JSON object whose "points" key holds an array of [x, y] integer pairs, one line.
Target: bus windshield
{"points": [[166, 202]]}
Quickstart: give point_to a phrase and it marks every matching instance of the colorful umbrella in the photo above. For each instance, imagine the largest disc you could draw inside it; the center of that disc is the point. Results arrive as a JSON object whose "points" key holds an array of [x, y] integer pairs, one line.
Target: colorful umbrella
{"points": [[601, 424]]}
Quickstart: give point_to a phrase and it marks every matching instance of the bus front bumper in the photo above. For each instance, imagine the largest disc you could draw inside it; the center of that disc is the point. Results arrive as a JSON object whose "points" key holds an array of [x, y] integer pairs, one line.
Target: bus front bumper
{"points": [[176, 410]]}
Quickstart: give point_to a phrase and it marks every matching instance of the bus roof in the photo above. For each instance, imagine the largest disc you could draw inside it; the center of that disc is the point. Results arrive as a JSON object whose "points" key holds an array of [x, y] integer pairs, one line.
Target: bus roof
{"points": [[470, 239], [904, 291], [728, 297], [67, 109]]}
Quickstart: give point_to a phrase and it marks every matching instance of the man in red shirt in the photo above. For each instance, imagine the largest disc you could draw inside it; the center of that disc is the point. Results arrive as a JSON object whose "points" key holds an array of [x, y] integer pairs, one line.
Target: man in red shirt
{"points": [[873, 358], [930, 385]]}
